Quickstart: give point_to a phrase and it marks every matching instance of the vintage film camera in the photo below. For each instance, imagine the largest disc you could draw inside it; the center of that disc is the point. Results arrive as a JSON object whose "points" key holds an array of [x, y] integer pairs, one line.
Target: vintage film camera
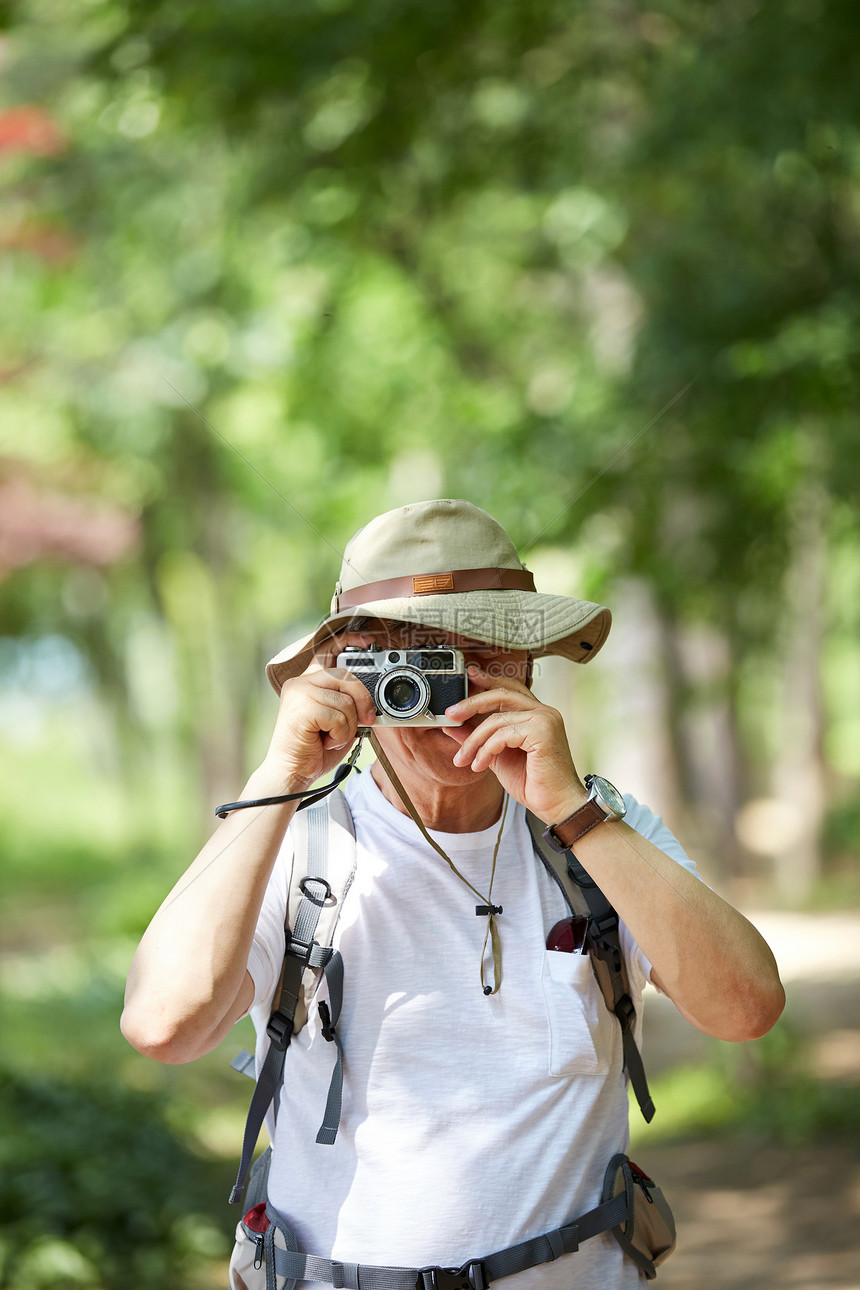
{"points": [[410, 687]]}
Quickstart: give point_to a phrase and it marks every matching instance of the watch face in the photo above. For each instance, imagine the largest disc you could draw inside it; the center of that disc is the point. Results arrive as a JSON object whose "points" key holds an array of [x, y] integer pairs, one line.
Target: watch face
{"points": [[608, 796]]}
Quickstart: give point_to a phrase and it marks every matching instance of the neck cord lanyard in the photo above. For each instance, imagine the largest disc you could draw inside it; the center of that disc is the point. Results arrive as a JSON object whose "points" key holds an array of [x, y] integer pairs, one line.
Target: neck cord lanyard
{"points": [[486, 907]]}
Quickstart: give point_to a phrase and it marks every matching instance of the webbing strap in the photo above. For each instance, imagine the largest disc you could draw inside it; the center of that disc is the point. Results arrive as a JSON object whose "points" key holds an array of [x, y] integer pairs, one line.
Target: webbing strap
{"points": [[308, 1267], [244, 1063], [301, 952], [605, 944], [636, 1071], [475, 1273], [270, 1078], [330, 1014], [543, 1249]]}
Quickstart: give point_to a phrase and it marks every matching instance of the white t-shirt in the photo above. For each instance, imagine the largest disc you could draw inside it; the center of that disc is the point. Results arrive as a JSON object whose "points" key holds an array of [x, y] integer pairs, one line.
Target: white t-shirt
{"points": [[469, 1122]]}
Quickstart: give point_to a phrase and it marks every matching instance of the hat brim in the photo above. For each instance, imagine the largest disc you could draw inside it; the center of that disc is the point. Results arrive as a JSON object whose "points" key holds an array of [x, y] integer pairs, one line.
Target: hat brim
{"points": [[520, 620]]}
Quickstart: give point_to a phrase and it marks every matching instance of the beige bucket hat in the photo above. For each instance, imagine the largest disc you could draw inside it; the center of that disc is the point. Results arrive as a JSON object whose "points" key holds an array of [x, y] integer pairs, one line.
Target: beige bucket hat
{"points": [[449, 565]]}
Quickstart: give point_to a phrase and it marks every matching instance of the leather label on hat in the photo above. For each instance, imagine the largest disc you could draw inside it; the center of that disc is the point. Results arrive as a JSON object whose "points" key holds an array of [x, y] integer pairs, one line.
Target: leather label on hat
{"points": [[430, 584]]}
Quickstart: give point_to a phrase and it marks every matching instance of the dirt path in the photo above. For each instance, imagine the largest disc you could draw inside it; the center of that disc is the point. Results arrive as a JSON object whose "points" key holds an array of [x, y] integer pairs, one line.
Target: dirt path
{"points": [[765, 1217], [762, 1218]]}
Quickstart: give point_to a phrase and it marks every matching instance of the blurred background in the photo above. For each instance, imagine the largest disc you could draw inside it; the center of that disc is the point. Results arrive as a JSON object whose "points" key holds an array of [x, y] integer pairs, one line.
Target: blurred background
{"points": [[267, 270]]}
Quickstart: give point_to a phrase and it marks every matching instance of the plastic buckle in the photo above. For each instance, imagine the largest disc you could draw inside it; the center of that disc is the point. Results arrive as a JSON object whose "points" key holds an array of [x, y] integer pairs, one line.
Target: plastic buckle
{"points": [[604, 923], [328, 1030], [471, 1276], [279, 1030], [300, 949], [606, 949], [625, 1011]]}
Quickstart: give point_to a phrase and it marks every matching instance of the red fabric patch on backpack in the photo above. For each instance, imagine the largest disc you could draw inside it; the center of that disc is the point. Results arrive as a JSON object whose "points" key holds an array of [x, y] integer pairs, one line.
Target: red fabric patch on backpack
{"points": [[257, 1218]]}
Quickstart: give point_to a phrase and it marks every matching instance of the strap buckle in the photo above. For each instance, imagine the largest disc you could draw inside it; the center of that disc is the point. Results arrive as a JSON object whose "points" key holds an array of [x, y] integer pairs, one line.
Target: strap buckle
{"points": [[625, 1011], [300, 949], [603, 923], [603, 942], [328, 1030], [279, 1030], [471, 1276]]}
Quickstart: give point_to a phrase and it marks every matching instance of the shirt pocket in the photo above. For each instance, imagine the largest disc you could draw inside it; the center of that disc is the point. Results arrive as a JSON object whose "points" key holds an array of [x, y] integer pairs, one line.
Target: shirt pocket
{"points": [[574, 1007]]}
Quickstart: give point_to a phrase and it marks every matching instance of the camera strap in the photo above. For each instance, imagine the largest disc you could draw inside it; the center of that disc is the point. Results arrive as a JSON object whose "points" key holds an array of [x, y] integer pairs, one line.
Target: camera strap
{"points": [[304, 799], [486, 906]]}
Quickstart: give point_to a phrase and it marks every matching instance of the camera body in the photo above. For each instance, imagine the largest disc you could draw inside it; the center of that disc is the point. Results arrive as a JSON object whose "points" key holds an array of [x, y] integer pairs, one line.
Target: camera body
{"points": [[410, 687]]}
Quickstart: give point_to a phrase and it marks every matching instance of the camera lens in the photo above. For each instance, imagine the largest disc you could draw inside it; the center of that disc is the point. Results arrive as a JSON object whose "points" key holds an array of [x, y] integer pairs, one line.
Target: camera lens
{"points": [[402, 693]]}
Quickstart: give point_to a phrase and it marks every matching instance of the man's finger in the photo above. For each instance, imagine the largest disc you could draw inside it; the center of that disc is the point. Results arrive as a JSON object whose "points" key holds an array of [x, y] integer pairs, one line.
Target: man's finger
{"points": [[497, 742], [510, 723], [339, 681], [495, 700]]}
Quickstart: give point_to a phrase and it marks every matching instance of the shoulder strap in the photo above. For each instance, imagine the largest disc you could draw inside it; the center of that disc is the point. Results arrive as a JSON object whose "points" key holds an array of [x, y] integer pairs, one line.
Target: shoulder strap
{"points": [[323, 868], [322, 873], [607, 961]]}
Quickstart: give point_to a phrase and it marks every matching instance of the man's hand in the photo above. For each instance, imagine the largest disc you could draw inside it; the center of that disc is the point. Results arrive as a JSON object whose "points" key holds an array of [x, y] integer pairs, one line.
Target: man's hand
{"points": [[521, 740], [189, 981], [704, 954], [318, 716]]}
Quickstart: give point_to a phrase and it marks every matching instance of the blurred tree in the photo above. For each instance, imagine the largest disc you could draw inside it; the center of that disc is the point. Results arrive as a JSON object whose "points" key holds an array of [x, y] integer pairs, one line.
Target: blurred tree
{"points": [[274, 272], [98, 1190], [267, 270]]}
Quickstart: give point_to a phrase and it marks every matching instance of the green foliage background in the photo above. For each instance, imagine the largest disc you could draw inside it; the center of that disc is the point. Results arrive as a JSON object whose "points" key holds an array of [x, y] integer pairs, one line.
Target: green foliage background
{"points": [[593, 266]]}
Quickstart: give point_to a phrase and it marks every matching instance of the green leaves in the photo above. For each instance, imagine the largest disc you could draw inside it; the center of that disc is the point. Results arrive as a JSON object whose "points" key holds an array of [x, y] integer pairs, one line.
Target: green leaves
{"points": [[97, 1189], [273, 272]]}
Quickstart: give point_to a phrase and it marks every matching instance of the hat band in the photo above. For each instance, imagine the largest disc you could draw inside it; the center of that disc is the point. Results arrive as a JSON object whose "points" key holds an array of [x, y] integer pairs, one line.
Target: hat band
{"points": [[436, 584]]}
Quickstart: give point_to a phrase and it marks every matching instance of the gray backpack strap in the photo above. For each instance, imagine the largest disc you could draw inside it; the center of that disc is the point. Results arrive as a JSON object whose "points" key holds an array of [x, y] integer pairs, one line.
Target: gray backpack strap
{"points": [[244, 1063], [607, 960], [323, 868], [257, 1189], [329, 1015], [475, 1274]]}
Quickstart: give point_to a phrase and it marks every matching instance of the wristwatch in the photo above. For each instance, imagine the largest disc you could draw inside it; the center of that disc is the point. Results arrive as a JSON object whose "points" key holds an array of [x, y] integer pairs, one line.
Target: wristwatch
{"points": [[604, 802]]}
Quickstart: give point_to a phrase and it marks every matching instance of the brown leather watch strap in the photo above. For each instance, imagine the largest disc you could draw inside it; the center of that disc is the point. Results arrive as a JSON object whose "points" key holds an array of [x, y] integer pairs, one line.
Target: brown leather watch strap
{"points": [[437, 584], [583, 820]]}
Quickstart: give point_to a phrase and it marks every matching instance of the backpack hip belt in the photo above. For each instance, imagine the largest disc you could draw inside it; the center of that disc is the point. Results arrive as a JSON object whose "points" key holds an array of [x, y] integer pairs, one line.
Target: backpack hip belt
{"points": [[475, 1274], [633, 1209]]}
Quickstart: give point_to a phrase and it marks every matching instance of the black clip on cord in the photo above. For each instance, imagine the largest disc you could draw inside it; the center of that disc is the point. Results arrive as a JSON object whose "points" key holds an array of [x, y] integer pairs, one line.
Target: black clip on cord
{"points": [[304, 799]]}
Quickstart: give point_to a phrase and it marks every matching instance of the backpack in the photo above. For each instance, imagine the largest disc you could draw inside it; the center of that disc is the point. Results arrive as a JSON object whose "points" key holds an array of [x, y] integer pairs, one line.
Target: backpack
{"points": [[324, 846]]}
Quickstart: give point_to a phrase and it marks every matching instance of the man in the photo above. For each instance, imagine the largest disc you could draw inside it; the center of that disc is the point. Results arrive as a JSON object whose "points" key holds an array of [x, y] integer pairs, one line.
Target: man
{"points": [[483, 1099]]}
